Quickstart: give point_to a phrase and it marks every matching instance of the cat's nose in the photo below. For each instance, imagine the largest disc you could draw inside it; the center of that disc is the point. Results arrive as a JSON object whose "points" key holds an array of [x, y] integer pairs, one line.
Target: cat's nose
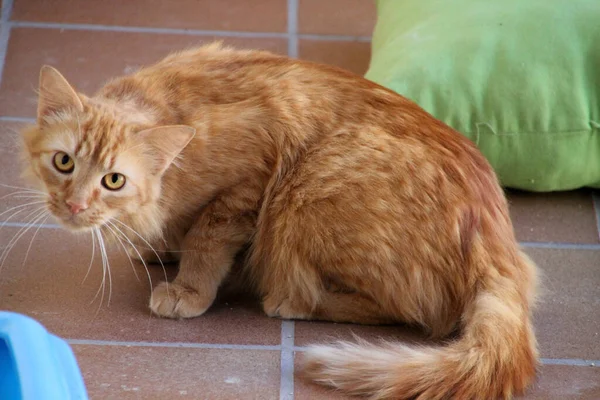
{"points": [[76, 208]]}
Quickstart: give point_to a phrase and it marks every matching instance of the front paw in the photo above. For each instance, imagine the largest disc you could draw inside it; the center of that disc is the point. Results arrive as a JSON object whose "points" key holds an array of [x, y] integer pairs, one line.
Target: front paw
{"points": [[284, 308], [172, 300]]}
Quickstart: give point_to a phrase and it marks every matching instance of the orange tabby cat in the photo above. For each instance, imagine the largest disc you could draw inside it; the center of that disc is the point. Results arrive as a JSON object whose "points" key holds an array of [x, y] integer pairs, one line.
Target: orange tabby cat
{"points": [[356, 206]]}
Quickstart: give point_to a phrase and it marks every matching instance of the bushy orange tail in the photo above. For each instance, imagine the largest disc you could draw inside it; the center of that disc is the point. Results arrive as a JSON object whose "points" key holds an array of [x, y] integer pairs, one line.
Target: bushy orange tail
{"points": [[495, 357]]}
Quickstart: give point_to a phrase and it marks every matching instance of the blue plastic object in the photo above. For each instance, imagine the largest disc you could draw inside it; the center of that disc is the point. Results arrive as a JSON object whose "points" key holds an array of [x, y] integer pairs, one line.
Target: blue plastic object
{"points": [[35, 364]]}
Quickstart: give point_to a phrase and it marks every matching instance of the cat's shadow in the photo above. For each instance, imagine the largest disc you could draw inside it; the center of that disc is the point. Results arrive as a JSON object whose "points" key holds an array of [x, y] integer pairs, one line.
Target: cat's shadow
{"points": [[233, 293], [236, 294]]}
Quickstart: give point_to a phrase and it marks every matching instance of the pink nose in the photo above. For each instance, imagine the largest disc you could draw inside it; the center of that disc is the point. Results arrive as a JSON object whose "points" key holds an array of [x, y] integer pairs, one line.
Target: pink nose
{"points": [[76, 208]]}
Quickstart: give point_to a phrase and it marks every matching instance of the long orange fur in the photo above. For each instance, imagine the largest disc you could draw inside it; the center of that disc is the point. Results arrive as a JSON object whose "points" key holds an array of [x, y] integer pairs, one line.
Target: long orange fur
{"points": [[355, 205]]}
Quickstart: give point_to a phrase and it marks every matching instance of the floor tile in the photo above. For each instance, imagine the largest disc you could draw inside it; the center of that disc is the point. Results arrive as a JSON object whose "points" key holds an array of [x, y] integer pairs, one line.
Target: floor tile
{"points": [[353, 56], [336, 17], [10, 174], [553, 382], [554, 217], [567, 319], [48, 286], [232, 15], [561, 382], [88, 59], [118, 372], [10, 165]]}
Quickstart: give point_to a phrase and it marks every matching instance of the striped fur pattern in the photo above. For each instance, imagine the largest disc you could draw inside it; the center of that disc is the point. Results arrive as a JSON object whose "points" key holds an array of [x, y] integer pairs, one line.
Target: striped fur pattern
{"points": [[352, 203]]}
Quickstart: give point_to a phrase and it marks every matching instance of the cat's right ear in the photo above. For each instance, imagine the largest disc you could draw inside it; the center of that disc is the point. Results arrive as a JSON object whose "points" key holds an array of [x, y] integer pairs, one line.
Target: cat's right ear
{"points": [[55, 94], [166, 142]]}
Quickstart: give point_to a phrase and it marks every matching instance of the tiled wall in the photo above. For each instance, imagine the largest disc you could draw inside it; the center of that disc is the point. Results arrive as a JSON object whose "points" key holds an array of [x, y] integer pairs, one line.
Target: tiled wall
{"points": [[93, 40]]}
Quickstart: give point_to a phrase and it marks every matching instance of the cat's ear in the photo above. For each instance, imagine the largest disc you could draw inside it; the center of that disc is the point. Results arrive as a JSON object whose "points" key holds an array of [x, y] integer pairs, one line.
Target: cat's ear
{"points": [[166, 142], [55, 94]]}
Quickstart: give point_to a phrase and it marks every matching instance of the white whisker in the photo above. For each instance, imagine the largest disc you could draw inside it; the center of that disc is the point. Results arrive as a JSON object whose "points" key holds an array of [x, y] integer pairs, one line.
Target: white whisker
{"points": [[148, 244], [24, 192], [28, 222], [101, 287], [46, 216], [19, 207], [39, 215], [136, 251], [92, 258], [105, 256], [29, 196], [35, 210], [111, 230], [22, 188]]}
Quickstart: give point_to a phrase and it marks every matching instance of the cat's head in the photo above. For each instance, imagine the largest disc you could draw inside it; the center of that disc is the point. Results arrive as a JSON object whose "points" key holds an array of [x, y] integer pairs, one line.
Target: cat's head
{"points": [[94, 164]]}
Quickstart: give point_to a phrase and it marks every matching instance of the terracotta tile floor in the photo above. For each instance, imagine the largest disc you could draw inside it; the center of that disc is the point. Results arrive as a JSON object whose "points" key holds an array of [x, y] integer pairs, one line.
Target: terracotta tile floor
{"points": [[234, 351]]}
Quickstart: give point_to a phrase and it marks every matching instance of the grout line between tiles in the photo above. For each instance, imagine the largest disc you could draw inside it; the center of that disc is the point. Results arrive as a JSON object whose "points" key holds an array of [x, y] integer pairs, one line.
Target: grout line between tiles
{"points": [[5, 26], [286, 388], [6, 11], [287, 339], [17, 119], [557, 245], [141, 29], [341, 38], [292, 33], [576, 362], [174, 344], [596, 200], [25, 224], [292, 22]]}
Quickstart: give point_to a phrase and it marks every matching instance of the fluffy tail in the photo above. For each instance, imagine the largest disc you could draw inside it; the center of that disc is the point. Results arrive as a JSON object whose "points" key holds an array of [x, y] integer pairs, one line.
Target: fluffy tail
{"points": [[495, 357]]}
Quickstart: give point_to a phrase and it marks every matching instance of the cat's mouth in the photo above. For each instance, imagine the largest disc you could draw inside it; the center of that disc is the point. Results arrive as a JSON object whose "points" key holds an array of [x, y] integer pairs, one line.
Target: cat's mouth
{"points": [[76, 223], [73, 222]]}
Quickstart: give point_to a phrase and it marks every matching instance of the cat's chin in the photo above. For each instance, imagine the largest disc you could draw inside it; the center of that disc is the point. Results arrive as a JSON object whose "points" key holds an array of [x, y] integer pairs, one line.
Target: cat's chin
{"points": [[76, 226]]}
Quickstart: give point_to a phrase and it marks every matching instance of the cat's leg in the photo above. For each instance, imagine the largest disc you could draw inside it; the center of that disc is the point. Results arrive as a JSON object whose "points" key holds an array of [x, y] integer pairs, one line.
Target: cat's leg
{"points": [[150, 256], [331, 306], [210, 248], [155, 252], [298, 291], [351, 307]]}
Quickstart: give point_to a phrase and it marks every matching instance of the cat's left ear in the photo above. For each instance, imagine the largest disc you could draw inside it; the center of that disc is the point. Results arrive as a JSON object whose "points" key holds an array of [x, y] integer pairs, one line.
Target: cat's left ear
{"points": [[166, 142], [55, 94]]}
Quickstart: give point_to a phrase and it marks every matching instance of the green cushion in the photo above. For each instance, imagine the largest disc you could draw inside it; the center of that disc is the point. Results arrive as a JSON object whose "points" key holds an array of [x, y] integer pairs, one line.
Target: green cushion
{"points": [[521, 78]]}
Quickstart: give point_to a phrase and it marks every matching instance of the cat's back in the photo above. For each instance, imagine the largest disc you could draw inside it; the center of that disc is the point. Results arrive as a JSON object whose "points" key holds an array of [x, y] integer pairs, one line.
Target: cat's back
{"points": [[307, 95], [219, 65], [214, 74], [254, 72]]}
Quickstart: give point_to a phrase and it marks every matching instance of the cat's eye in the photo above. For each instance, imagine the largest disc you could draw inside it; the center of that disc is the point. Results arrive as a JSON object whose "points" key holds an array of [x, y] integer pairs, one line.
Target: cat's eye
{"points": [[63, 162], [113, 181]]}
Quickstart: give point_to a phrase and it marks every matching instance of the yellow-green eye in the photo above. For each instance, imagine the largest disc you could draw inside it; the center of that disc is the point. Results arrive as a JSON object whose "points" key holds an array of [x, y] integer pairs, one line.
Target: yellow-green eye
{"points": [[63, 162], [113, 181]]}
